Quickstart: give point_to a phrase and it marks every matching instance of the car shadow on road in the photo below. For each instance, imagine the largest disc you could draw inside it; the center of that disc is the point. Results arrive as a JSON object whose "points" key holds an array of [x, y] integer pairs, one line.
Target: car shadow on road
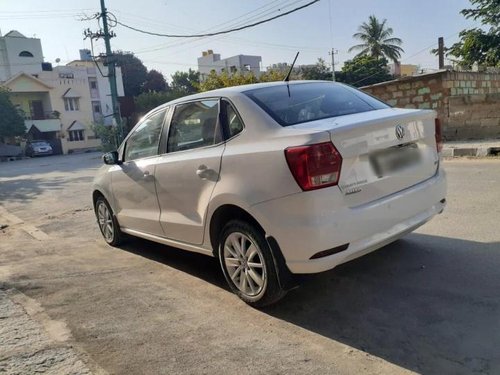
{"points": [[198, 265], [429, 304]]}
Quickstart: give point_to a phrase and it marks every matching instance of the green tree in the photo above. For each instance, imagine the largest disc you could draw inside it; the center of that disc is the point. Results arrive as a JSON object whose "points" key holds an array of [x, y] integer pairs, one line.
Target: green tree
{"points": [[109, 136], [377, 40], [11, 122], [363, 71], [152, 99], [320, 71], [154, 82], [185, 83], [216, 81], [134, 72], [477, 45], [272, 76]]}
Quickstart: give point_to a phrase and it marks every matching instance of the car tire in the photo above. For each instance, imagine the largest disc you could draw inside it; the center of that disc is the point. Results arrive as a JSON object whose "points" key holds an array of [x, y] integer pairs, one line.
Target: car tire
{"points": [[108, 225], [248, 265]]}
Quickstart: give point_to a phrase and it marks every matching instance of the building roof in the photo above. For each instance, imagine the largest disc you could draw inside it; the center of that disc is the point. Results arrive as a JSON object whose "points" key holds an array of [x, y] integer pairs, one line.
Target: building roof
{"points": [[45, 126], [71, 93], [75, 125], [15, 34], [19, 75]]}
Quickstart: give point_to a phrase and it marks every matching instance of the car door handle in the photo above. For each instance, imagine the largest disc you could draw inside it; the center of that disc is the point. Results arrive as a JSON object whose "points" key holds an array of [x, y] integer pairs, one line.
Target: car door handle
{"points": [[202, 171], [146, 175]]}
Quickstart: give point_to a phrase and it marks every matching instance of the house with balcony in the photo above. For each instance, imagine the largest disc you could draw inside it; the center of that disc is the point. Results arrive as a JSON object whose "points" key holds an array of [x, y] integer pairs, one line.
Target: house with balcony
{"points": [[32, 97], [60, 104]]}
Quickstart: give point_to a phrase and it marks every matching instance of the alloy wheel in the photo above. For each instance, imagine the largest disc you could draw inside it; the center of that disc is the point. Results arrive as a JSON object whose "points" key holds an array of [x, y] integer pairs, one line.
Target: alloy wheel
{"points": [[245, 264], [105, 221]]}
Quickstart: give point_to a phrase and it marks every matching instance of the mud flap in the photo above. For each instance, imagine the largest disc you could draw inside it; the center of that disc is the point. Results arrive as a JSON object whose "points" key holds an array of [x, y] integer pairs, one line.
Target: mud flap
{"points": [[286, 278]]}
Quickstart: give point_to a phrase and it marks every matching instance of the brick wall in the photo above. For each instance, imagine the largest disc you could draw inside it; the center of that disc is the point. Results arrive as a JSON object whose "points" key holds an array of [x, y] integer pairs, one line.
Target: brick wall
{"points": [[468, 104]]}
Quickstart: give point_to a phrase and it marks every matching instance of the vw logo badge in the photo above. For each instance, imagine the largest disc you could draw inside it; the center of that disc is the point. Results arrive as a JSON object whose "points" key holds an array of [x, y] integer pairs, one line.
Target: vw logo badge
{"points": [[400, 132]]}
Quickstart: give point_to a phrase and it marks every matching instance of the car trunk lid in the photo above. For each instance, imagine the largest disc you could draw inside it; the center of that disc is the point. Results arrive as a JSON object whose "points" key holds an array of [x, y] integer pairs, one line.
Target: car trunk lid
{"points": [[383, 151]]}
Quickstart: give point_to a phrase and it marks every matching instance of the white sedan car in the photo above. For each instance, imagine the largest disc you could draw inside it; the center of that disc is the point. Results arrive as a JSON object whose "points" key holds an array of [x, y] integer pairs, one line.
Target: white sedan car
{"points": [[273, 179]]}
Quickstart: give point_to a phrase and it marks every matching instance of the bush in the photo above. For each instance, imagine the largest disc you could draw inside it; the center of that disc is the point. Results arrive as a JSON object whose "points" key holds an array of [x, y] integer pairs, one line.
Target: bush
{"points": [[109, 135]]}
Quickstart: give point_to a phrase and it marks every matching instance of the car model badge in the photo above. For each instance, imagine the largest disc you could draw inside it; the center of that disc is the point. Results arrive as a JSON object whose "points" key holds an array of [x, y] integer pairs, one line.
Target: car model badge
{"points": [[400, 131]]}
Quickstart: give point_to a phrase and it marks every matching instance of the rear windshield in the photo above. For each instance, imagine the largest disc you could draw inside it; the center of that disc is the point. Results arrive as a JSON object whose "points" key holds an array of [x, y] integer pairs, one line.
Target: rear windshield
{"points": [[297, 103]]}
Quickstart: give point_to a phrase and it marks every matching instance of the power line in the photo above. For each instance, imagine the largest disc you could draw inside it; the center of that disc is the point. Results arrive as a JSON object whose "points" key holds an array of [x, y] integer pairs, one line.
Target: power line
{"points": [[330, 18], [55, 11], [253, 15], [42, 14], [218, 32], [257, 14]]}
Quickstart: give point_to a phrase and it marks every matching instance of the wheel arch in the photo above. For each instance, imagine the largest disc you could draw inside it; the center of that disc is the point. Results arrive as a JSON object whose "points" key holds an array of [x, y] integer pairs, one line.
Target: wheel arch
{"points": [[98, 192], [224, 214], [95, 195], [228, 212]]}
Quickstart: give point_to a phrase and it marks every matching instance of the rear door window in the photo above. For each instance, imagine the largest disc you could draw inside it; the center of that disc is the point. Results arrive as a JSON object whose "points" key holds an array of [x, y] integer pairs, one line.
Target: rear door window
{"points": [[233, 122], [194, 124]]}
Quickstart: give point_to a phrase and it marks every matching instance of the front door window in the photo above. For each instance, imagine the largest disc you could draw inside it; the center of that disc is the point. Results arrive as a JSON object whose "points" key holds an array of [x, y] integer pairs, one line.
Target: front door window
{"points": [[145, 139]]}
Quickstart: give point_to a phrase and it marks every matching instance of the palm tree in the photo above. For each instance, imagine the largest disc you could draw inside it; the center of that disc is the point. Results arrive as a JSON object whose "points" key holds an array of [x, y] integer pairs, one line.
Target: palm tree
{"points": [[377, 41]]}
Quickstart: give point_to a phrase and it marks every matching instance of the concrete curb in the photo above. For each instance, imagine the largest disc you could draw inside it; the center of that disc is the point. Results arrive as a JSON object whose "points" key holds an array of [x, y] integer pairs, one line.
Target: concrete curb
{"points": [[12, 158], [470, 150]]}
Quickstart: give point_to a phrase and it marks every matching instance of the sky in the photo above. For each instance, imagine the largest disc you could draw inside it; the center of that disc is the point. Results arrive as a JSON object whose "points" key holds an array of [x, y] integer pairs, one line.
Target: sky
{"points": [[313, 31]]}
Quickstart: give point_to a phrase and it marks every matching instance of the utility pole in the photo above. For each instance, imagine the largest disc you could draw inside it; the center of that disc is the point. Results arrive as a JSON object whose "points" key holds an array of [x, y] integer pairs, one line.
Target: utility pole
{"points": [[441, 52], [333, 52], [111, 70], [110, 62]]}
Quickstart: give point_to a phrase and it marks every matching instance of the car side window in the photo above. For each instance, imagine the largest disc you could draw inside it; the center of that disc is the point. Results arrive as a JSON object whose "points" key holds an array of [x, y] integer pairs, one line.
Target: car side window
{"points": [[232, 119], [194, 124], [145, 139]]}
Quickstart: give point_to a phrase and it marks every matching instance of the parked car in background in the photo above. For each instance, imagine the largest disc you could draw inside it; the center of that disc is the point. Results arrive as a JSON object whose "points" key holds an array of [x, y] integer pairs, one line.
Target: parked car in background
{"points": [[273, 180], [38, 148]]}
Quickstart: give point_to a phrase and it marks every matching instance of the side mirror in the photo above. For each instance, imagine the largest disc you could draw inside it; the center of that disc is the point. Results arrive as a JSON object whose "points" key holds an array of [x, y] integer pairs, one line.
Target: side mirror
{"points": [[111, 158]]}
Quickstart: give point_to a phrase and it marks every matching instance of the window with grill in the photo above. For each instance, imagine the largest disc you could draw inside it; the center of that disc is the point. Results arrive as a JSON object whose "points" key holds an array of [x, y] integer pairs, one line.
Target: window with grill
{"points": [[71, 104], [76, 135]]}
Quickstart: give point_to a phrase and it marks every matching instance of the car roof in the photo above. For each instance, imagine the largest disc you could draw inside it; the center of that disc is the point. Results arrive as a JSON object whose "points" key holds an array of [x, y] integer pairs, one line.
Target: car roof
{"points": [[236, 90]]}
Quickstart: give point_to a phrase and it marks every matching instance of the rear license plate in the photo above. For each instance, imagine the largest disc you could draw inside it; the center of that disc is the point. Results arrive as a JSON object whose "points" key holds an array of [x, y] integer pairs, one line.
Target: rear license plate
{"points": [[395, 159]]}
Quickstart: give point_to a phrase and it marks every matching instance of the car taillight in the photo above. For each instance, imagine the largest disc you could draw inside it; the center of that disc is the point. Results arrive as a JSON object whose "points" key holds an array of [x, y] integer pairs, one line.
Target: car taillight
{"points": [[314, 166], [439, 135]]}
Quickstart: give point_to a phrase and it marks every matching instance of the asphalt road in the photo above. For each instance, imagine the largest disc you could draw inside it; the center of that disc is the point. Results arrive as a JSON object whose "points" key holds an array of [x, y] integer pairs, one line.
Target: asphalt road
{"points": [[429, 303]]}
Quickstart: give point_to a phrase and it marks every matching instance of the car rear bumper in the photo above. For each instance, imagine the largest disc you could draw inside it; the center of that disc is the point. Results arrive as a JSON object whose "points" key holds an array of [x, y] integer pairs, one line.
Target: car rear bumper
{"points": [[40, 153], [307, 223]]}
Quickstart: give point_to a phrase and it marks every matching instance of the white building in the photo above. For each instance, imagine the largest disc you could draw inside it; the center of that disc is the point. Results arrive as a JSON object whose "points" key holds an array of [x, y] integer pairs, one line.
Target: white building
{"points": [[60, 104], [210, 61], [19, 54]]}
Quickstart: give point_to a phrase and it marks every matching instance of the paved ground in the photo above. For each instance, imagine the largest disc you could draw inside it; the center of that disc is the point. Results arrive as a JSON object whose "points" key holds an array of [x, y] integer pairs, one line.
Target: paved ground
{"points": [[32, 342], [428, 303]]}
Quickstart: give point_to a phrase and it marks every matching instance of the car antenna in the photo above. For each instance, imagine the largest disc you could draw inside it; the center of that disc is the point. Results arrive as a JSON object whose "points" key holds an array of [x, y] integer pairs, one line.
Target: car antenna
{"points": [[287, 77]]}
